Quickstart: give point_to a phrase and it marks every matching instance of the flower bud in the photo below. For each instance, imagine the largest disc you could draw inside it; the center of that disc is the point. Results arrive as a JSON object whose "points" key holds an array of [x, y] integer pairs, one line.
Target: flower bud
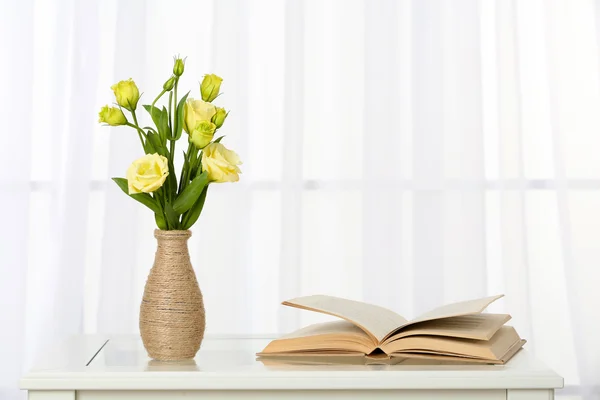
{"points": [[127, 94], [203, 134], [211, 84], [219, 117], [112, 116], [178, 67], [169, 84]]}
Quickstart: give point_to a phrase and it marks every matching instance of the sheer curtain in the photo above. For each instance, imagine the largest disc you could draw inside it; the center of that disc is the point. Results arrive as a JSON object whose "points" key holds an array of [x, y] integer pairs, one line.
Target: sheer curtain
{"points": [[406, 153]]}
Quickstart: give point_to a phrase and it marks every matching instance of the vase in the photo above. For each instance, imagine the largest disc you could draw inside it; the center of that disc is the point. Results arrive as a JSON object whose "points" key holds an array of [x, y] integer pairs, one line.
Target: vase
{"points": [[172, 317]]}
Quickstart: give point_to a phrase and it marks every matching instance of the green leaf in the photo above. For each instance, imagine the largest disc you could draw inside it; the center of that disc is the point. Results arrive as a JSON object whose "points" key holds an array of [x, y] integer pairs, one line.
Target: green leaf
{"points": [[218, 139], [172, 216], [149, 128], [160, 221], [143, 198], [183, 169], [154, 113], [179, 117], [156, 143], [148, 147], [164, 125], [192, 215], [197, 167], [190, 194], [193, 164], [161, 120], [171, 178]]}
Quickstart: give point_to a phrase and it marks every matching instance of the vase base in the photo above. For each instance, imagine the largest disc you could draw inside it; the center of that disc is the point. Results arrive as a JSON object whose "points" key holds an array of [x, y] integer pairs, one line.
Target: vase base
{"points": [[169, 353], [169, 359]]}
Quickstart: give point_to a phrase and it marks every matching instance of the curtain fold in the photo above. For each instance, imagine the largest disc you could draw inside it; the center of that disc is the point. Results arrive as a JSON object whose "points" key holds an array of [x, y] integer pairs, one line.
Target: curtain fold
{"points": [[382, 232], [464, 226], [291, 172], [73, 187], [428, 90], [406, 153], [17, 21], [117, 297], [562, 58], [512, 203]]}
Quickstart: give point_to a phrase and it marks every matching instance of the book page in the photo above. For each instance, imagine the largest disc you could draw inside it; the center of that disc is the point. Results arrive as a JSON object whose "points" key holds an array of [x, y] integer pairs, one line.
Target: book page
{"points": [[286, 360], [456, 309], [376, 321], [339, 336], [472, 326], [493, 349], [326, 328]]}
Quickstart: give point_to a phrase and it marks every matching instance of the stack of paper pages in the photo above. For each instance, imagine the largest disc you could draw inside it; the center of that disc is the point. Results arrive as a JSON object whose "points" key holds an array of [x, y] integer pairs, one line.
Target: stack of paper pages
{"points": [[458, 332]]}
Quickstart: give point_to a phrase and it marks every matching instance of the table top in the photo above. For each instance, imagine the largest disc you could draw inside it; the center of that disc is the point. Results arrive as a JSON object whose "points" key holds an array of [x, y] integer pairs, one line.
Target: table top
{"points": [[96, 362]]}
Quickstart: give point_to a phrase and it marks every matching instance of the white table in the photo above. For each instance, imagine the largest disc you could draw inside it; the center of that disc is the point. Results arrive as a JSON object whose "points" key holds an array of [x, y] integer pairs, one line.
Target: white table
{"points": [[101, 368]]}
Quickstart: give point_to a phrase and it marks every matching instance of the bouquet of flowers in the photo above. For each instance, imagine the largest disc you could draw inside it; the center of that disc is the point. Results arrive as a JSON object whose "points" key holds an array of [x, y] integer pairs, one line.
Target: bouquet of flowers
{"points": [[151, 179]]}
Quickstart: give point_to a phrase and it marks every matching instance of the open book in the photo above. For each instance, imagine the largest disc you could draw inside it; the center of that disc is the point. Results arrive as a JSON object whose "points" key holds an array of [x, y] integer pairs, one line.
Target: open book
{"points": [[455, 332]]}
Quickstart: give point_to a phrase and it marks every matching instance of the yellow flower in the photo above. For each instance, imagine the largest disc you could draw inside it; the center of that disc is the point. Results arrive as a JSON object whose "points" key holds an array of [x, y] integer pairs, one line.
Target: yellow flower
{"points": [[196, 111], [112, 116], [127, 94], [219, 117], [147, 174], [220, 163], [203, 134], [211, 84]]}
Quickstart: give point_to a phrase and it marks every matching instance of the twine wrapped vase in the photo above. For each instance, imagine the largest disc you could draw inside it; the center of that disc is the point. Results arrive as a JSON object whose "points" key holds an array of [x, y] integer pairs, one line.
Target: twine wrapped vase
{"points": [[172, 317]]}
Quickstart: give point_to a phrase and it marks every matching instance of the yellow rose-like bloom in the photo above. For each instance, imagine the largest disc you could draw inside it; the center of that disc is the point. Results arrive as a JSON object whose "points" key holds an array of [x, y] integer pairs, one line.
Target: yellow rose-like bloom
{"points": [[147, 174], [203, 134], [127, 94], [211, 84], [219, 117], [220, 163], [196, 111], [112, 116]]}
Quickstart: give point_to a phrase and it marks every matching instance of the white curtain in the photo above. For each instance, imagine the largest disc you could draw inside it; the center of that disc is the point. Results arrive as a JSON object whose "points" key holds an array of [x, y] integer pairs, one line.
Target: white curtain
{"points": [[406, 153]]}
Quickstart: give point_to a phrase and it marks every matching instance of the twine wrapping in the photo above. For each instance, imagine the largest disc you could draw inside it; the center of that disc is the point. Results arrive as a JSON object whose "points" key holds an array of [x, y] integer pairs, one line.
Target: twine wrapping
{"points": [[172, 317]]}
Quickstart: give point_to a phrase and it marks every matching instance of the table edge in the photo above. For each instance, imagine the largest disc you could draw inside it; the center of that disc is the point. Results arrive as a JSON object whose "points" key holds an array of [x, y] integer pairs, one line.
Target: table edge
{"points": [[83, 379]]}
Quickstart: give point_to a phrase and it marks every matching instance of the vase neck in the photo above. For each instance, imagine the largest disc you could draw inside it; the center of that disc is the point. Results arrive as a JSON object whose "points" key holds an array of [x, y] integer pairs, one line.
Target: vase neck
{"points": [[172, 247], [160, 234]]}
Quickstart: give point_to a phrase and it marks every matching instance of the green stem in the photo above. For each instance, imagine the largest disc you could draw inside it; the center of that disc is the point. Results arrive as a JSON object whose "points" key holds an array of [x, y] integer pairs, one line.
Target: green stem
{"points": [[175, 103], [170, 114], [158, 97], [139, 130], [172, 151], [135, 118], [157, 198], [171, 139], [185, 172], [196, 160], [154, 102], [136, 125], [164, 192], [200, 163]]}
